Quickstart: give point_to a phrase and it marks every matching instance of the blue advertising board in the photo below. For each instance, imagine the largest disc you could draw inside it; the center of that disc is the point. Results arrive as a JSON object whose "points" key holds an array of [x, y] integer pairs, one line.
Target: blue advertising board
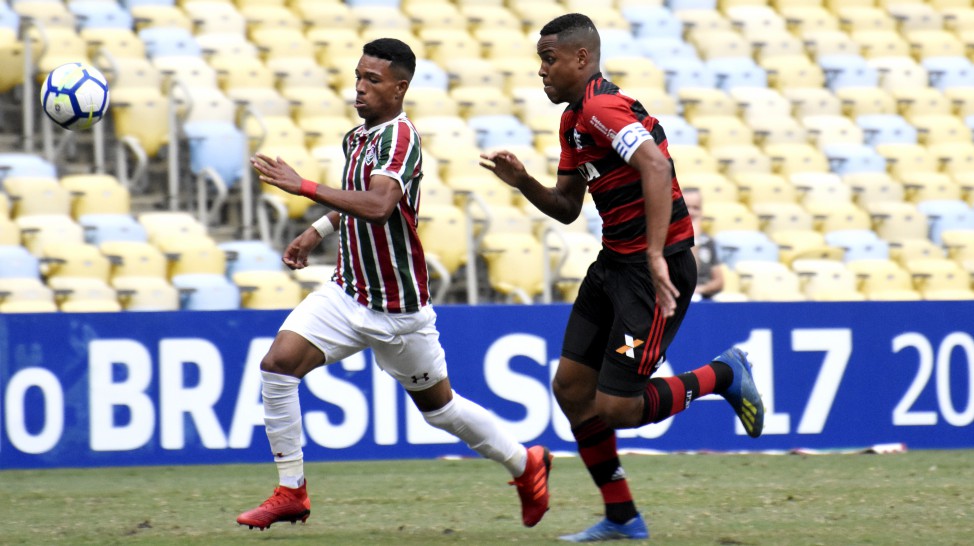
{"points": [[184, 387]]}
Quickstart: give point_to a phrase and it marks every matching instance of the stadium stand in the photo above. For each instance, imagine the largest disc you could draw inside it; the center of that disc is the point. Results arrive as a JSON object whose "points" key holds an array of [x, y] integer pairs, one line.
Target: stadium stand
{"points": [[835, 130]]}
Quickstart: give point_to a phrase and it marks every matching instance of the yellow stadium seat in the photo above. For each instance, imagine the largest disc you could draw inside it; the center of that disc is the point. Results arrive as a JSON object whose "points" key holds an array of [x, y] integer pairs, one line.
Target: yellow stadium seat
{"points": [[941, 129], [158, 224], [712, 186], [445, 44], [442, 227], [722, 43], [838, 216], [796, 158], [267, 289], [815, 187], [269, 16], [778, 44], [897, 221], [134, 259], [211, 17], [34, 195], [934, 43], [883, 280], [764, 188], [146, 294], [767, 285], [802, 18], [482, 101], [829, 284], [274, 42], [907, 158], [779, 216], [880, 43], [825, 130], [473, 73], [859, 101], [924, 186], [778, 129], [790, 72], [655, 100], [119, 42], [722, 216], [705, 102], [959, 244], [97, 194], [900, 72], [718, 130], [187, 254], [692, 158], [73, 260], [430, 103], [820, 43], [317, 14], [812, 101], [505, 43], [156, 15], [935, 274], [873, 188], [24, 295], [853, 18], [954, 158], [914, 248], [483, 17], [921, 101], [84, 295], [627, 72], [741, 159], [514, 266], [141, 114], [37, 230], [804, 244]]}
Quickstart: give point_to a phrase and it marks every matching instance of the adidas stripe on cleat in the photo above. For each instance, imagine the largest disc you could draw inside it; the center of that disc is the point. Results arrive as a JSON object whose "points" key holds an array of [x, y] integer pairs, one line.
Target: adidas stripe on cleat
{"points": [[742, 394], [286, 504], [532, 485]]}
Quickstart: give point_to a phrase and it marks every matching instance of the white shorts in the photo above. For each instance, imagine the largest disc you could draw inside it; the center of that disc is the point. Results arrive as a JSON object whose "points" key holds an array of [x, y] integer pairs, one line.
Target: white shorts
{"points": [[406, 345]]}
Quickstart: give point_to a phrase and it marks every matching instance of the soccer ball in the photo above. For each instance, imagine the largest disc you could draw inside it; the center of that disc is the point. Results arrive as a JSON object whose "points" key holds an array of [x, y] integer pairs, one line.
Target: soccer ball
{"points": [[75, 96]]}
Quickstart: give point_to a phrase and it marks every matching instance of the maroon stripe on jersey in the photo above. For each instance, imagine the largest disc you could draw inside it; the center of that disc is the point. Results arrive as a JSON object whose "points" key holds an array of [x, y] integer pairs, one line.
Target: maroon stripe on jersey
{"points": [[651, 350], [418, 254], [404, 135], [387, 271], [360, 288]]}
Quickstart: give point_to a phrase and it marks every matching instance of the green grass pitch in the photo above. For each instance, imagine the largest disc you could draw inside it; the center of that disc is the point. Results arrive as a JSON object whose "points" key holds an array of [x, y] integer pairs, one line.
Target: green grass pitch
{"points": [[914, 498]]}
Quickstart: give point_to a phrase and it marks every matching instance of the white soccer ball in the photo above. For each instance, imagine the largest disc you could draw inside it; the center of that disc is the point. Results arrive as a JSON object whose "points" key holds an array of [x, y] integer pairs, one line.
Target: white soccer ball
{"points": [[75, 96]]}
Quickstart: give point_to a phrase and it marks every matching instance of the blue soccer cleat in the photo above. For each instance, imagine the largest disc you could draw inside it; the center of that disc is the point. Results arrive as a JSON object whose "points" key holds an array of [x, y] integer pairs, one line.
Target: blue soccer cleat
{"points": [[742, 394], [634, 529]]}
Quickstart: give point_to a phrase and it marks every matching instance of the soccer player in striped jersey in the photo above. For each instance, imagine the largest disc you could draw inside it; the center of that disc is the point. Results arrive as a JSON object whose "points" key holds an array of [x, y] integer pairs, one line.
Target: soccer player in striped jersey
{"points": [[635, 295], [379, 298]]}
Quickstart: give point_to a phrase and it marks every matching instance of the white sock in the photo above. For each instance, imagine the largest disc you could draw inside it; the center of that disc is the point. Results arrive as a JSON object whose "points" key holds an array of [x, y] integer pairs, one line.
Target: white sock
{"points": [[481, 431], [282, 422]]}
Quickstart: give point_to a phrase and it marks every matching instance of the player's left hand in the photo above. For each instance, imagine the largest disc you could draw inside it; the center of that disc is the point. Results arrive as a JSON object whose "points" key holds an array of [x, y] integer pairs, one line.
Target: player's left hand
{"points": [[277, 172], [666, 292]]}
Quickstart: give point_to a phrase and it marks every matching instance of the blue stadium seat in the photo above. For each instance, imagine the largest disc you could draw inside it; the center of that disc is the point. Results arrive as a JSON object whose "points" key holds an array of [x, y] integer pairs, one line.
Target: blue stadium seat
{"points": [[207, 292], [886, 129], [848, 71], [858, 244], [430, 74], [500, 130], [219, 145], [684, 72], [678, 130], [100, 228], [849, 158], [251, 256], [8, 17], [655, 21], [95, 14], [617, 43], [657, 49], [18, 164], [734, 72], [947, 72], [133, 3], [946, 214], [737, 245], [17, 262], [676, 5], [169, 41]]}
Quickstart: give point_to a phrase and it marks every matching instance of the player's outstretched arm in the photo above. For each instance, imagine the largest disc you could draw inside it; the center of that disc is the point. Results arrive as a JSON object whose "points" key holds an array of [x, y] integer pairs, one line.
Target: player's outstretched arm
{"points": [[563, 202]]}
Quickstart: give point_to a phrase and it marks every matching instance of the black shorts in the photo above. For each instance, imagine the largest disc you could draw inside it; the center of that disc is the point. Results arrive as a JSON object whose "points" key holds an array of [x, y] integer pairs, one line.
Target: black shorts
{"points": [[614, 327]]}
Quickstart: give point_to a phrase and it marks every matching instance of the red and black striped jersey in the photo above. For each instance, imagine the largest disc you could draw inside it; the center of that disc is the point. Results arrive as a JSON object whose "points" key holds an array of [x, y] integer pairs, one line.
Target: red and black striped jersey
{"points": [[598, 135], [383, 266]]}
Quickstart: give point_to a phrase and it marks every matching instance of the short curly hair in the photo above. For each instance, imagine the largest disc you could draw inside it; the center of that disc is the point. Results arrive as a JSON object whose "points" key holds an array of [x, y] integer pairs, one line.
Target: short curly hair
{"points": [[400, 56]]}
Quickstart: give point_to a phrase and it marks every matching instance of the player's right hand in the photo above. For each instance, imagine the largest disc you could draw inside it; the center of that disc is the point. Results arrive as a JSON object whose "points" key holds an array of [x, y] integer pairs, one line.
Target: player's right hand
{"points": [[296, 254], [505, 165]]}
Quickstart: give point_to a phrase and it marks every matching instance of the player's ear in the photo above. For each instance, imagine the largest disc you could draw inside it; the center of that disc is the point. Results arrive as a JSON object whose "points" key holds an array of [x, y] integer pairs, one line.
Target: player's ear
{"points": [[401, 87]]}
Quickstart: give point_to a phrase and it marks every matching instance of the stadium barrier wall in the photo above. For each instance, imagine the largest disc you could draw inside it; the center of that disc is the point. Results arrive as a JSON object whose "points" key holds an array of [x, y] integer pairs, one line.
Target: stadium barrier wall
{"points": [[174, 388]]}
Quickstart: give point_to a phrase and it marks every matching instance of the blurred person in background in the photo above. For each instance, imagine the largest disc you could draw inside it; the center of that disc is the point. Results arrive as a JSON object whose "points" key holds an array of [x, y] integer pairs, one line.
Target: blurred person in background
{"points": [[710, 276]]}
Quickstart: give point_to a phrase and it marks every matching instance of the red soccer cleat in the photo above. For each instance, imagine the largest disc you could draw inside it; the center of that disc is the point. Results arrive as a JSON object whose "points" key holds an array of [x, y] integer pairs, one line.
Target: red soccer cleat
{"points": [[285, 504], [532, 486]]}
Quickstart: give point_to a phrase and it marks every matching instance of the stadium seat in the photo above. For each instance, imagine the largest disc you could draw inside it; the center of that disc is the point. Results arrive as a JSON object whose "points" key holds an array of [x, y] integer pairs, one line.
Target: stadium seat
{"points": [[845, 159], [216, 145], [813, 188], [629, 72], [782, 216], [705, 102], [84, 295], [514, 265], [935, 129], [169, 41], [827, 280], [73, 260], [914, 248], [838, 216], [858, 244], [895, 221], [656, 49], [734, 72], [775, 286], [500, 130], [959, 244], [946, 214], [9, 231], [907, 158], [692, 158], [207, 292], [886, 129], [933, 275], [764, 188], [442, 229], [931, 186], [30, 196], [17, 262], [712, 186], [653, 21], [134, 259], [250, 256], [100, 228], [790, 72], [843, 71], [745, 245], [803, 244], [141, 114], [267, 289], [683, 72], [796, 158], [949, 71], [158, 14], [25, 295], [883, 280], [921, 101], [96, 194], [678, 130], [720, 217], [832, 129], [39, 229], [720, 130], [146, 294]]}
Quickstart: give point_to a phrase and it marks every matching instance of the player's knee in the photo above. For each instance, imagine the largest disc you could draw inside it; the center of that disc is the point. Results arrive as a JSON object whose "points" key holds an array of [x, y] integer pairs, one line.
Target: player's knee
{"points": [[619, 412]]}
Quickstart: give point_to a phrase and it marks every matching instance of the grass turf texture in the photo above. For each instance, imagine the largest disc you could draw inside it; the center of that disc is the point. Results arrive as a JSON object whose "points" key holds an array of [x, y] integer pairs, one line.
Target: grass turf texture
{"points": [[918, 497]]}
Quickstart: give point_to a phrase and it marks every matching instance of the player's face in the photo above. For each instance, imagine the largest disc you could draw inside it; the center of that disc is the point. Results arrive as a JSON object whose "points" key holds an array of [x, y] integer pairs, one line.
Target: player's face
{"points": [[559, 70], [378, 92]]}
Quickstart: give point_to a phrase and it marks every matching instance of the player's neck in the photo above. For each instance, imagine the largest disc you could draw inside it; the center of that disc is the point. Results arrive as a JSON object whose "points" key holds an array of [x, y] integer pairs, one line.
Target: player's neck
{"points": [[379, 120]]}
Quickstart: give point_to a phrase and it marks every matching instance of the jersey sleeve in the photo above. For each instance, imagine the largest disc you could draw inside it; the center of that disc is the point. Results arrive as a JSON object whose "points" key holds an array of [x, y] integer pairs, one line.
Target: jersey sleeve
{"points": [[567, 163], [398, 154], [611, 122]]}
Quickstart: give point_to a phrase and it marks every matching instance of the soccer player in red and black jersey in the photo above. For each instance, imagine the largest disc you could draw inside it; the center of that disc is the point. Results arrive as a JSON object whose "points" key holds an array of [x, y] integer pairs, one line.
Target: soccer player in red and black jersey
{"points": [[635, 295]]}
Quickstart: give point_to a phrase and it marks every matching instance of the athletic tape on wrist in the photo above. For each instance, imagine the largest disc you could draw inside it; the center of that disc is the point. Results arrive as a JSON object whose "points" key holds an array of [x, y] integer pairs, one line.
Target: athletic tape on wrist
{"points": [[323, 226]]}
